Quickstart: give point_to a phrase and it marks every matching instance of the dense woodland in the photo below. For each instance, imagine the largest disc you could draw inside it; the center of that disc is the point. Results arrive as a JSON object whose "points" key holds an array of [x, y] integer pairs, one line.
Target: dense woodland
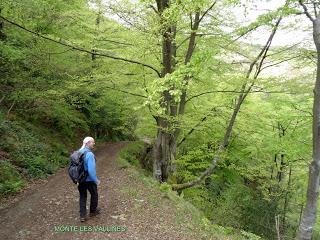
{"points": [[228, 119]]}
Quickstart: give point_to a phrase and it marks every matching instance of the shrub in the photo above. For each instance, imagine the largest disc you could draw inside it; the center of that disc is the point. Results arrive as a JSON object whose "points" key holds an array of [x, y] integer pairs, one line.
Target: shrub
{"points": [[10, 179], [133, 152]]}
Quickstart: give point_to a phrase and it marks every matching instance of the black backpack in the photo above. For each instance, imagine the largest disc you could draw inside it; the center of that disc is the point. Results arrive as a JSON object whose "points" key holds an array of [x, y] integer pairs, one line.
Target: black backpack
{"points": [[76, 169]]}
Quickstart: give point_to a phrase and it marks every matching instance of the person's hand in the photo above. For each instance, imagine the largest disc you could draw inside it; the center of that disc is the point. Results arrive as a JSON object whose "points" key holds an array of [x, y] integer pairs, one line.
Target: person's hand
{"points": [[98, 182]]}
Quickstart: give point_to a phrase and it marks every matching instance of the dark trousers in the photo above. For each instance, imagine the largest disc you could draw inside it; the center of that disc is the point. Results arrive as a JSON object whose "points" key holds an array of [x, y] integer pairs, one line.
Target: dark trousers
{"points": [[92, 188]]}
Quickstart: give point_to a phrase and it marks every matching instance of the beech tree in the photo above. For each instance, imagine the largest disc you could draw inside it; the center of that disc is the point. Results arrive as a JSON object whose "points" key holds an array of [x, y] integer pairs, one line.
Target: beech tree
{"points": [[164, 149], [310, 211], [251, 75], [176, 28]]}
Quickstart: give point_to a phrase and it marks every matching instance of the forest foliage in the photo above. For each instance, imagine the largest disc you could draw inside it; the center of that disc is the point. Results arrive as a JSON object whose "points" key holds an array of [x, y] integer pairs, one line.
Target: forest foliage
{"points": [[95, 68]]}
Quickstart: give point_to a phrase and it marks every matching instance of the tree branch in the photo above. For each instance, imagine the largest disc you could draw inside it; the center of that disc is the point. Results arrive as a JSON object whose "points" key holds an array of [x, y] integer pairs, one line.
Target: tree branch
{"points": [[245, 91], [191, 21], [205, 13], [194, 28], [12, 105], [241, 35], [315, 9], [154, 9], [240, 92], [266, 48], [283, 50], [82, 49], [198, 124], [305, 9], [182, 42], [133, 94], [206, 173], [113, 41], [3, 97], [277, 63]]}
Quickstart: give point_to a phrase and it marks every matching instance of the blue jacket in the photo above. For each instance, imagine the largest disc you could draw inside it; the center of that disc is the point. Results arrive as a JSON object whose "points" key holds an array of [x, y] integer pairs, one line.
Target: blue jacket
{"points": [[90, 165]]}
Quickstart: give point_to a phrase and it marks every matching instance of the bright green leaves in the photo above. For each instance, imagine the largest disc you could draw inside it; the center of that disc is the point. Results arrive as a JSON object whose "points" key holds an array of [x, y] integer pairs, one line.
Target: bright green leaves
{"points": [[267, 19], [175, 84]]}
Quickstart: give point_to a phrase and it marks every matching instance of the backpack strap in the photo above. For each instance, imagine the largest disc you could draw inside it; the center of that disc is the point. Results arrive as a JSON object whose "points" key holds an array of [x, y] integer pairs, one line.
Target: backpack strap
{"points": [[84, 156]]}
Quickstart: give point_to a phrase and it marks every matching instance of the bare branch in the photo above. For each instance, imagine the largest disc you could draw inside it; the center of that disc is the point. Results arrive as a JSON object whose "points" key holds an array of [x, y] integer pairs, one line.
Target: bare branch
{"points": [[2, 99], [315, 9], [240, 92], [197, 125], [203, 175], [264, 51], [82, 49], [305, 9], [242, 35], [205, 13], [283, 50], [277, 63], [12, 105], [116, 42], [301, 110], [123, 91], [197, 34], [154, 9], [186, 39]]}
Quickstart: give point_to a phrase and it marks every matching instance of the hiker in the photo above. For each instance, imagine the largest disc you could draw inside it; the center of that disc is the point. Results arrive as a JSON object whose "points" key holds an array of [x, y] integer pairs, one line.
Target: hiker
{"points": [[90, 182]]}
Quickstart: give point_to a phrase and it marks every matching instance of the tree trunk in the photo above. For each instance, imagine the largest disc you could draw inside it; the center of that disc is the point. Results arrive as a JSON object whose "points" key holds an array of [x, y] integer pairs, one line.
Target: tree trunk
{"points": [[310, 211], [285, 207], [2, 35], [164, 147], [164, 151], [168, 127]]}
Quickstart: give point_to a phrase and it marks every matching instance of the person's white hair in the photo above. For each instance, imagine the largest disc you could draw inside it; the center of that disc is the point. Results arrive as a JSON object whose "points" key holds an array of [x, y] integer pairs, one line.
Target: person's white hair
{"points": [[85, 141]]}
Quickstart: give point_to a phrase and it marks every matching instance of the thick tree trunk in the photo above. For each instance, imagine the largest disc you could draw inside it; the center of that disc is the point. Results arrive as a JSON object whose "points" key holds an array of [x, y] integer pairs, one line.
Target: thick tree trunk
{"points": [[164, 147], [164, 151], [168, 127], [310, 211]]}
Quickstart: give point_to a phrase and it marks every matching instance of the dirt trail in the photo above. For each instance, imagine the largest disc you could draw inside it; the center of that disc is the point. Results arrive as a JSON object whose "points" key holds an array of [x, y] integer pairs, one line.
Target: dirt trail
{"points": [[51, 210]]}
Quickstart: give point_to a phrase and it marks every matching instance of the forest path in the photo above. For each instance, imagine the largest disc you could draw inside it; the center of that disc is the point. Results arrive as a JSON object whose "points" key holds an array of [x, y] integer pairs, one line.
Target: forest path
{"points": [[129, 210]]}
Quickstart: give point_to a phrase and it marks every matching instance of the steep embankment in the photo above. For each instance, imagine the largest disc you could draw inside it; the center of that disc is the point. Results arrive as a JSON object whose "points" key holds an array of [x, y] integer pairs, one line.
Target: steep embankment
{"points": [[132, 208]]}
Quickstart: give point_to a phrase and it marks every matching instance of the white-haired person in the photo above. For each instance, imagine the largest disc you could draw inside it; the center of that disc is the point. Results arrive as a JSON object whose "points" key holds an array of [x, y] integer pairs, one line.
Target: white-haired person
{"points": [[90, 183]]}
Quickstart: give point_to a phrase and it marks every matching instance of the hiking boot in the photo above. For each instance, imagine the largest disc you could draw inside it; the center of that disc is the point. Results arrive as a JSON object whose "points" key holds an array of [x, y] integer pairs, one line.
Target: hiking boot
{"points": [[95, 213]]}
